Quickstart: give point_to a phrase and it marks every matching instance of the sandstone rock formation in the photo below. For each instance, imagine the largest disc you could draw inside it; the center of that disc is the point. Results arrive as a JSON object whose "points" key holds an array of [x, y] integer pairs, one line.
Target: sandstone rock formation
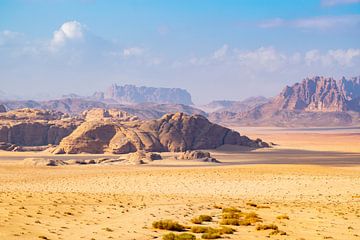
{"points": [[316, 101], [29, 127], [132, 94], [96, 114], [197, 155], [173, 132]]}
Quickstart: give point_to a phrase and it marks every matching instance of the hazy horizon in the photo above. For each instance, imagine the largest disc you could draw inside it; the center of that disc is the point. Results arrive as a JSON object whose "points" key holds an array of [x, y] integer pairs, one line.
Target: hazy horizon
{"points": [[217, 50]]}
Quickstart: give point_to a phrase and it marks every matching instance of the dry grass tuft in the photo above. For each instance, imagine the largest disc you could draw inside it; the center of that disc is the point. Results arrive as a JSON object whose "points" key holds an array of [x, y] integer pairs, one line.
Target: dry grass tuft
{"points": [[168, 225]]}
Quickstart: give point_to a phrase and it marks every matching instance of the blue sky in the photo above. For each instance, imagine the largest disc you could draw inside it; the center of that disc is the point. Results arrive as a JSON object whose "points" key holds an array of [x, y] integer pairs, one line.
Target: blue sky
{"points": [[217, 49]]}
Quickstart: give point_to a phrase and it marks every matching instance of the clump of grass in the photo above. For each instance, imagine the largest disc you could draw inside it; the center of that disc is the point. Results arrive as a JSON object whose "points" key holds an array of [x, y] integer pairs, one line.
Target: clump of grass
{"points": [[252, 217], [277, 232], [230, 221], [266, 227], [231, 215], [168, 225], [226, 230], [199, 229], [211, 235], [182, 236], [200, 219], [283, 216], [231, 209]]}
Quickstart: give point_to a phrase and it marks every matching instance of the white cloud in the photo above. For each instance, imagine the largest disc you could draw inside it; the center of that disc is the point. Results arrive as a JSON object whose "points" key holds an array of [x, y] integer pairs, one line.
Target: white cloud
{"points": [[9, 37], [220, 54], [330, 3], [68, 31], [323, 23], [266, 58], [335, 57], [132, 52]]}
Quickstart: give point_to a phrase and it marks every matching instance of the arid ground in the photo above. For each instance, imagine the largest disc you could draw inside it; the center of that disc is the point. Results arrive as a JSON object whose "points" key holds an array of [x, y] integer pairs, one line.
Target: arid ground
{"points": [[308, 185]]}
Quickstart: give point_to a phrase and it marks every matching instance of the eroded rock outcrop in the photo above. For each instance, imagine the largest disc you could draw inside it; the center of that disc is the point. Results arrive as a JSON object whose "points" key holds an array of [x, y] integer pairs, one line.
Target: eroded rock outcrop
{"points": [[173, 132]]}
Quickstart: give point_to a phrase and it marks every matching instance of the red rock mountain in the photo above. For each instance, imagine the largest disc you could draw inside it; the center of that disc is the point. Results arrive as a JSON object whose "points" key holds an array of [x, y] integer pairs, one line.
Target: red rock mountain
{"points": [[315, 101]]}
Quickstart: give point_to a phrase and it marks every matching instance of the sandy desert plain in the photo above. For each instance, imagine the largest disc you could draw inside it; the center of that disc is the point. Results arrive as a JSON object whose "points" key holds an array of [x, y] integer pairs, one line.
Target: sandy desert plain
{"points": [[308, 186]]}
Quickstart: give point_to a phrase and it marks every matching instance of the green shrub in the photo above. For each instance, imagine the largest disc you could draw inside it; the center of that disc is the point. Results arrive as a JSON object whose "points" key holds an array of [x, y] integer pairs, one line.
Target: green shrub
{"points": [[168, 225]]}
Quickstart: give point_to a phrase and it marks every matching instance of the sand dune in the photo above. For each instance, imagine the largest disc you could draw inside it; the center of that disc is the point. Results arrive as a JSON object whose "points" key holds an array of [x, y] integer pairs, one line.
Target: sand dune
{"points": [[319, 191]]}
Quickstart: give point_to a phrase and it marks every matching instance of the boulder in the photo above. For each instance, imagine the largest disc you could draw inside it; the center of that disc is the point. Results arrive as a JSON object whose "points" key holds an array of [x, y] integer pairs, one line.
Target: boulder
{"points": [[197, 155]]}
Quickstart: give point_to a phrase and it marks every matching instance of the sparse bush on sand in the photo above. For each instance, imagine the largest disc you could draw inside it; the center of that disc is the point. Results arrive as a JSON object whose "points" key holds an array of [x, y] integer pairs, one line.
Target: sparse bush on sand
{"points": [[266, 227], [182, 236], [168, 225], [210, 235], [201, 218]]}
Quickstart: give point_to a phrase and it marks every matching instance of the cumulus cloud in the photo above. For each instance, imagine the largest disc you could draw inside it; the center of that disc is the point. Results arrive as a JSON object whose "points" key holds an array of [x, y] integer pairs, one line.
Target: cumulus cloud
{"points": [[69, 31], [330, 3], [323, 23]]}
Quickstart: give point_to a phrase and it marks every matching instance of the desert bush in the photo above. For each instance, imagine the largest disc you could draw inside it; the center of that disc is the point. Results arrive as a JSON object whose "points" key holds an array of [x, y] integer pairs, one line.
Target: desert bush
{"points": [[252, 217], [199, 229], [230, 209], [226, 230], [266, 227], [231, 215], [182, 236], [210, 235], [230, 221], [283, 216], [168, 225], [201, 218]]}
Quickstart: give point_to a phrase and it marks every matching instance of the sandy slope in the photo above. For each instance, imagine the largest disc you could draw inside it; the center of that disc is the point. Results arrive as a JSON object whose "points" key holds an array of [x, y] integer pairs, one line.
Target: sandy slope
{"points": [[319, 191]]}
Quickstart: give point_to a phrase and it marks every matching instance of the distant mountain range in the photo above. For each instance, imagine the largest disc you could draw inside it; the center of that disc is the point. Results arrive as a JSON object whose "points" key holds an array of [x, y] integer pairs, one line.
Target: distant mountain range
{"points": [[130, 94], [316, 101]]}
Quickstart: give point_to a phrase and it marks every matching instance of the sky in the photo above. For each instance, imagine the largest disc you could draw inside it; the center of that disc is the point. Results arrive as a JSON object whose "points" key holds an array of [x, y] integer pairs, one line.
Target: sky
{"points": [[216, 49]]}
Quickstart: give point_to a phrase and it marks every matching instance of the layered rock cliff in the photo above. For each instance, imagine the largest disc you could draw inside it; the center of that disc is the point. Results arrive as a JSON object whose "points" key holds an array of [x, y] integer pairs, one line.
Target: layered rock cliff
{"points": [[132, 94], [173, 132]]}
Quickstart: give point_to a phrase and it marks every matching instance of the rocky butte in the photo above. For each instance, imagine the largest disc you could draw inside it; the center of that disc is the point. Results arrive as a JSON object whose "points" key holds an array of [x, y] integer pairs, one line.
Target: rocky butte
{"points": [[173, 132], [130, 94]]}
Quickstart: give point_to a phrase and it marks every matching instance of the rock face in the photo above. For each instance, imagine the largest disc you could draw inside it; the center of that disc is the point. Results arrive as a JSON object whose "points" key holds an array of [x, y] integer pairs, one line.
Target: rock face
{"points": [[173, 132], [132, 94], [316, 101], [234, 106], [29, 127], [2, 108], [197, 155], [102, 114]]}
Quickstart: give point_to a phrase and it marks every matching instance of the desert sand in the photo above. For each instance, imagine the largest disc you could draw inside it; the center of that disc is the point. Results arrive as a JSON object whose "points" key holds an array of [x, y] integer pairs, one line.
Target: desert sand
{"points": [[310, 176]]}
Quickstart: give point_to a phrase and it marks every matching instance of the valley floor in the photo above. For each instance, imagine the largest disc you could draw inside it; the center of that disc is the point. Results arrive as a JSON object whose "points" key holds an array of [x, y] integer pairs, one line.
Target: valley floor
{"points": [[313, 177]]}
